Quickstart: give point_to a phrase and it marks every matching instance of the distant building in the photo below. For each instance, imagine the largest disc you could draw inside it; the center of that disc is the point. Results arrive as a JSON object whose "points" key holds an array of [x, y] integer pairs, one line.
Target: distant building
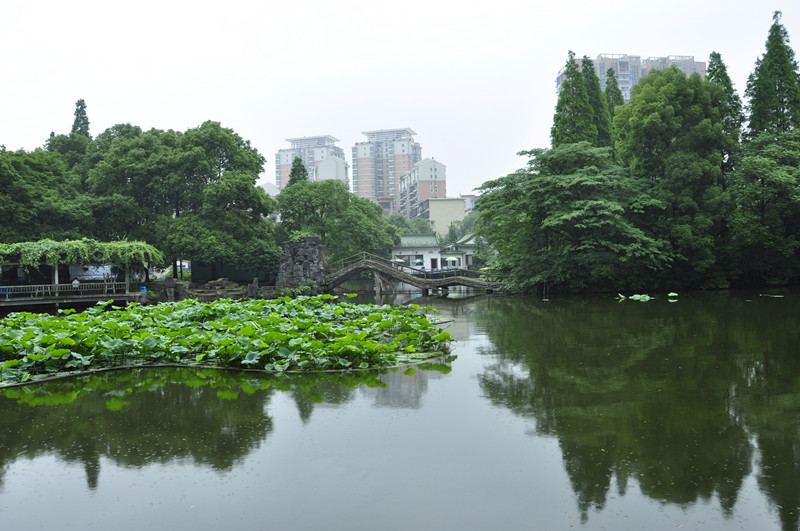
{"points": [[271, 189], [629, 69], [425, 180], [469, 201], [441, 212], [312, 150], [685, 64], [379, 162], [330, 168]]}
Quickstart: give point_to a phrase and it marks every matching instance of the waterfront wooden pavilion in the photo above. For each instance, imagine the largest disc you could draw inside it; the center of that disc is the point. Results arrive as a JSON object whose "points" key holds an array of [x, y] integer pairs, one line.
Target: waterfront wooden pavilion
{"points": [[33, 273]]}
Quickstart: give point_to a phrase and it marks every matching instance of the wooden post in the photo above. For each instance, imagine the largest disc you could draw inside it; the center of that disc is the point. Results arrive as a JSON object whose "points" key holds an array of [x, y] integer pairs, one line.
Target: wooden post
{"points": [[55, 277]]}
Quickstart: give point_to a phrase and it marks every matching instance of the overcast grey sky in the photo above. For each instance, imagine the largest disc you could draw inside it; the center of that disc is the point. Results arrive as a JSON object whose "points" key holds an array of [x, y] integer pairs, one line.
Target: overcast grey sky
{"points": [[475, 80]]}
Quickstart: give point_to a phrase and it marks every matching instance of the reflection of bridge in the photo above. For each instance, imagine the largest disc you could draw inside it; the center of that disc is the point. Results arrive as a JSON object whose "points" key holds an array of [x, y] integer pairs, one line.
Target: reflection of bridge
{"points": [[421, 278]]}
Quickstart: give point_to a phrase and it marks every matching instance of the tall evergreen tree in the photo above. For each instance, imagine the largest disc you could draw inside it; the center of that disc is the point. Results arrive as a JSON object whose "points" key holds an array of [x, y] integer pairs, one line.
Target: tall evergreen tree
{"points": [[773, 89], [574, 118], [614, 95], [81, 123], [602, 120], [298, 173], [729, 103]]}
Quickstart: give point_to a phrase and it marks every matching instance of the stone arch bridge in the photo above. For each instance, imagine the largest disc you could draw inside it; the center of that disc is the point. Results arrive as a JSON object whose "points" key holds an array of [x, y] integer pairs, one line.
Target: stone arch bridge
{"points": [[386, 270]]}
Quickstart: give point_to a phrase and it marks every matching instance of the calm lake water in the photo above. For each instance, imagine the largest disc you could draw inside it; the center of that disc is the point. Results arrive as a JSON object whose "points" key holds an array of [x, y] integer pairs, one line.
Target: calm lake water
{"points": [[568, 414]]}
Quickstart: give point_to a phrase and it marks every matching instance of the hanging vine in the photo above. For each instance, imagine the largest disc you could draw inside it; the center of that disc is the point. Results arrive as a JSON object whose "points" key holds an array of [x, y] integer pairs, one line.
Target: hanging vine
{"points": [[121, 254]]}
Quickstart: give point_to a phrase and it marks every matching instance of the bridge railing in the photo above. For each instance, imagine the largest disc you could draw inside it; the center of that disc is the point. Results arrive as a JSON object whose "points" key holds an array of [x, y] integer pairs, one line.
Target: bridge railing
{"points": [[351, 260]]}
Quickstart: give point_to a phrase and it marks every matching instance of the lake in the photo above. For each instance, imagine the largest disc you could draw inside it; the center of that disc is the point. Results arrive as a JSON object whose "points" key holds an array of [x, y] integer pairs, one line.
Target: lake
{"points": [[575, 413]]}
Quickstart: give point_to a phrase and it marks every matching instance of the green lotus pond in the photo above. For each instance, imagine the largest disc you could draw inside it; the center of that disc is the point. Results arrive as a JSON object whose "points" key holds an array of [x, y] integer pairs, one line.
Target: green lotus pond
{"points": [[577, 413]]}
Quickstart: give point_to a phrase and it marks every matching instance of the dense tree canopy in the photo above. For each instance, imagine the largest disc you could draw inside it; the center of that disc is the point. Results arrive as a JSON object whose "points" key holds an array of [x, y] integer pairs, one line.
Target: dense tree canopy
{"points": [[561, 221], [192, 195], [691, 204], [767, 221], [671, 135], [345, 223], [40, 199], [413, 227]]}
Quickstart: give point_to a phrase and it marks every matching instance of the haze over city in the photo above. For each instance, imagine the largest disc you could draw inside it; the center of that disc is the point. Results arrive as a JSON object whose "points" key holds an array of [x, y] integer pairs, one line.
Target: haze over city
{"points": [[474, 80]]}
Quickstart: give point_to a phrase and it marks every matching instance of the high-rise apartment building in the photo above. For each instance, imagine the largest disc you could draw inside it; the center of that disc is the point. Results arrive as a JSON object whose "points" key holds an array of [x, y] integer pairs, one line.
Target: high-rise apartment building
{"points": [[425, 180], [312, 150], [685, 63], [629, 69], [379, 162]]}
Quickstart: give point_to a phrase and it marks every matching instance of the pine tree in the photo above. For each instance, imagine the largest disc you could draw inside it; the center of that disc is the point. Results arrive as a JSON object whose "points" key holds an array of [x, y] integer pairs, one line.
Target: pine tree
{"points": [[729, 104], [298, 172], [574, 118], [614, 95], [773, 89], [602, 120], [81, 123]]}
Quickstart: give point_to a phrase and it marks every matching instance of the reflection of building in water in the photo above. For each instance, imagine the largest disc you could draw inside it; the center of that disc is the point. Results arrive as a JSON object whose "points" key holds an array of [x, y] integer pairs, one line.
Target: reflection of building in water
{"points": [[402, 391]]}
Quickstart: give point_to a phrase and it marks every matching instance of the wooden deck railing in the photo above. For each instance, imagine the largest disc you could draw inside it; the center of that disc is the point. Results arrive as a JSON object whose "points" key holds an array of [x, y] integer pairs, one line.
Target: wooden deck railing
{"points": [[43, 291]]}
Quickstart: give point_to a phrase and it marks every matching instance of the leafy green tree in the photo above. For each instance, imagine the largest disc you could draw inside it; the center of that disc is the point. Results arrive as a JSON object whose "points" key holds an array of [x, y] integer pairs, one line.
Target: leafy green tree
{"points": [[421, 227], [202, 165], [230, 226], [414, 227], [362, 228], [562, 222], [298, 172], [80, 125], [127, 184], [345, 223], [39, 198], [725, 98], [399, 222], [76, 150], [602, 119], [452, 235], [773, 89], [467, 225], [165, 187], [766, 225], [574, 117], [671, 135], [613, 94]]}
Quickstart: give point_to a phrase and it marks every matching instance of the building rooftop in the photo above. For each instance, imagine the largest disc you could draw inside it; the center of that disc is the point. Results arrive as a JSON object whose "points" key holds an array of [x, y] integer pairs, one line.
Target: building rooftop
{"points": [[393, 134], [419, 241], [323, 140]]}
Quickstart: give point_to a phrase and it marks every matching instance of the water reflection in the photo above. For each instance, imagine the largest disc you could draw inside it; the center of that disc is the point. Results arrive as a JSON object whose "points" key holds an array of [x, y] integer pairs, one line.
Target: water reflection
{"points": [[135, 418], [579, 411], [677, 398]]}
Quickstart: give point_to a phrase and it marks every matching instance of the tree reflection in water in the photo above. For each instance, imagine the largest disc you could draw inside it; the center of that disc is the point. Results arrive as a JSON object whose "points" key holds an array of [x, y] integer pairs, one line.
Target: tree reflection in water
{"points": [[143, 416], [677, 398]]}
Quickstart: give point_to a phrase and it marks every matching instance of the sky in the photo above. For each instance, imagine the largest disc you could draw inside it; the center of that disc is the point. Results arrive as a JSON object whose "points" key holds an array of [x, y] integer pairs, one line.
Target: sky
{"points": [[474, 80]]}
